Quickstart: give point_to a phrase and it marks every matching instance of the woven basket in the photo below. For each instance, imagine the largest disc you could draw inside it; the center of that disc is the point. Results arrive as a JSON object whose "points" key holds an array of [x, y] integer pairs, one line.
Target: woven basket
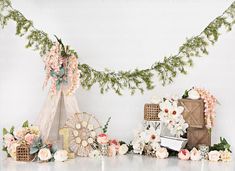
{"points": [[23, 153], [151, 112]]}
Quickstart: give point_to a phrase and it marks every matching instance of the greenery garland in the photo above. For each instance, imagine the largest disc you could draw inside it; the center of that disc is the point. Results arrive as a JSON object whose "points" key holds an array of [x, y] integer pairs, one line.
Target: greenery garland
{"points": [[134, 80]]}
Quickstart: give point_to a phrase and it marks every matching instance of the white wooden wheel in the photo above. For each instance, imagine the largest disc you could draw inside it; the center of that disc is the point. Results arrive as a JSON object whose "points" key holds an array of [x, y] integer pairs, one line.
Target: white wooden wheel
{"points": [[83, 129]]}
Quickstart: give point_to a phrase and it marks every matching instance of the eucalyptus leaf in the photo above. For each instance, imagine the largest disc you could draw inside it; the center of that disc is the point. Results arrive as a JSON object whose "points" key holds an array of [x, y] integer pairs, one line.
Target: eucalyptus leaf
{"points": [[25, 124], [4, 131], [33, 150]]}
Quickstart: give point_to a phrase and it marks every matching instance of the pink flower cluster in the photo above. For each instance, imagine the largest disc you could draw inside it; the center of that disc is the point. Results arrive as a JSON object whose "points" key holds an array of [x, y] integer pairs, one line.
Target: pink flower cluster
{"points": [[210, 104], [114, 147], [60, 70]]}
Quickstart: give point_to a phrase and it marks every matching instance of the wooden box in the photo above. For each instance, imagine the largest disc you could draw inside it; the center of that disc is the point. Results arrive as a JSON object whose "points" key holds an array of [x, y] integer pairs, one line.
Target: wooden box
{"points": [[151, 112], [194, 115]]}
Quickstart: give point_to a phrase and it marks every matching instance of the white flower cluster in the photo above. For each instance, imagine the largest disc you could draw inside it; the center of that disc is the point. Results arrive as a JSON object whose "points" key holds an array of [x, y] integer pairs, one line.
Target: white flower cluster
{"points": [[147, 141], [171, 115]]}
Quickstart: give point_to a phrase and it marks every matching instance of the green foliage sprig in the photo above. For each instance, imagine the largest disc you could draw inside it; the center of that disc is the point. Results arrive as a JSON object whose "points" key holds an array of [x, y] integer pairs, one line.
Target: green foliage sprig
{"points": [[221, 146], [105, 128], [137, 79]]}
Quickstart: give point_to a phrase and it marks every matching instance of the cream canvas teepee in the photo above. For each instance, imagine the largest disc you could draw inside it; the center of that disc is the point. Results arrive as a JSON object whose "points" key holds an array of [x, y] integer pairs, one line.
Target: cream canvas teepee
{"points": [[56, 109]]}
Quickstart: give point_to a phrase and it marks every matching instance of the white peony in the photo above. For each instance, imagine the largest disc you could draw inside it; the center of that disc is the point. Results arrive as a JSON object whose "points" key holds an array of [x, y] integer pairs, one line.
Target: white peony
{"points": [[155, 100], [123, 149], [193, 94], [61, 155], [44, 154]]}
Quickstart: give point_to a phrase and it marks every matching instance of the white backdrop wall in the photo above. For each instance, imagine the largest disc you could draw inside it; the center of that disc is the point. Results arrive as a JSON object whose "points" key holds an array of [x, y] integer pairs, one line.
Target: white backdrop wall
{"points": [[120, 35]]}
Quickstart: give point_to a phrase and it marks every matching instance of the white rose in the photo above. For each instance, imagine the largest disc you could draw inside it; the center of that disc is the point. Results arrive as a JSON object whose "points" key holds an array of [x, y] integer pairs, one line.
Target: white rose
{"points": [[61, 155], [162, 153], [123, 149], [214, 156], [193, 94], [44, 154]]}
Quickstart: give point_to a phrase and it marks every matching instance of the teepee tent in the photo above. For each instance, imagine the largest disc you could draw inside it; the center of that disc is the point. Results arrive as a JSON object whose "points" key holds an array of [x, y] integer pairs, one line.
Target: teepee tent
{"points": [[56, 110]]}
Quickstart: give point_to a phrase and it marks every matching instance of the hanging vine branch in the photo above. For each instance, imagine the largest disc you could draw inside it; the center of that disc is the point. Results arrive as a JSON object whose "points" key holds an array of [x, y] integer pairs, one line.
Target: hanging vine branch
{"points": [[167, 69]]}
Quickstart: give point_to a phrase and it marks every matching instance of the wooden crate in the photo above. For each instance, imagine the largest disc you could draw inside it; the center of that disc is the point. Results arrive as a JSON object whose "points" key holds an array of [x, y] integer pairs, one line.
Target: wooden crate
{"points": [[151, 112], [194, 115]]}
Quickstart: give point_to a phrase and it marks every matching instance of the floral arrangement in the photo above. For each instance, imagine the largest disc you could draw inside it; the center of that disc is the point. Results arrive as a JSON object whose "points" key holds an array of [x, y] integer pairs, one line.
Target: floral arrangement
{"points": [[14, 138], [61, 68], [106, 146], [147, 142], [30, 135], [171, 115], [209, 100]]}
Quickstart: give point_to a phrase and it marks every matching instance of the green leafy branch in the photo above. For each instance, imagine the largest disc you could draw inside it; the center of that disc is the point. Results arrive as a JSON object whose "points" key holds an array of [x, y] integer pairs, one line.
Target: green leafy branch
{"points": [[105, 128], [134, 80], [222, 146]]}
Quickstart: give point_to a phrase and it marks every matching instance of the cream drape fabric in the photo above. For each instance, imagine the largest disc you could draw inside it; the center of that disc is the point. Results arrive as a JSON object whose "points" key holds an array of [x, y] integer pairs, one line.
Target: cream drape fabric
{"points": [[56, 109]]}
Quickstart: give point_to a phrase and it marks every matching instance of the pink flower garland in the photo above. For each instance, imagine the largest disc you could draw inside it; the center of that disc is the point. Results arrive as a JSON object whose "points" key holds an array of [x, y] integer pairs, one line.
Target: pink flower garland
{"points": [[210, 103], [55, 64]]}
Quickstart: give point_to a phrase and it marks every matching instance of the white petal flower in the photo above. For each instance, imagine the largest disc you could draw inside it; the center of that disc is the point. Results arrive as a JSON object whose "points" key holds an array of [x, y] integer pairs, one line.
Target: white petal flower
{"points": [[193, 94]]}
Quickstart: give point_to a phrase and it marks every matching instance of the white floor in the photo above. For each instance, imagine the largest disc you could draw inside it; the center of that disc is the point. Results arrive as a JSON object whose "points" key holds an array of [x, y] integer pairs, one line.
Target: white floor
{"points": [[118, 163]]}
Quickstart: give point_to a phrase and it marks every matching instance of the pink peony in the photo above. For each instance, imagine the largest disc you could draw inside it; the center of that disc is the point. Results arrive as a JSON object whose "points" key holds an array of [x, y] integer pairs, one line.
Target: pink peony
{"points": [[184, 154], [29, 138], [112, 151], [102, 138], [115, 143]]}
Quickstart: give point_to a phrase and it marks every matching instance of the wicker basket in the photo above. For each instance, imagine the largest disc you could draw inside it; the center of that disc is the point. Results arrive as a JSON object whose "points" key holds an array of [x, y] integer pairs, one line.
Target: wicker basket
{"points": [[151, 112], [23, 153]]}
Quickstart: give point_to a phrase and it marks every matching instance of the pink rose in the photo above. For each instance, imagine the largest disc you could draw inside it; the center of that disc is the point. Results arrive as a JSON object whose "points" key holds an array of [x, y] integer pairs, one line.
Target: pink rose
{"points": [[102, 138], [115, 143], [214, 156], [112, 151], [184, 154], [29, 138]]}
